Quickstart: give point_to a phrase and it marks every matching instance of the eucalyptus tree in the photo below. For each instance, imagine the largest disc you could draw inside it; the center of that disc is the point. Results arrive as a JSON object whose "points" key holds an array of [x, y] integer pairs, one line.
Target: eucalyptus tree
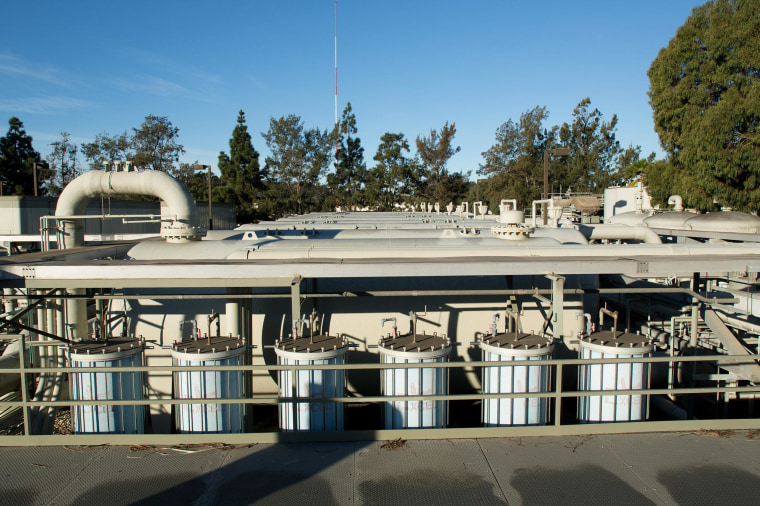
{"points": [[155, 144], [297, 164], [106, 149], [434, 154], [64, 164], [395, 177], [514, 164]]}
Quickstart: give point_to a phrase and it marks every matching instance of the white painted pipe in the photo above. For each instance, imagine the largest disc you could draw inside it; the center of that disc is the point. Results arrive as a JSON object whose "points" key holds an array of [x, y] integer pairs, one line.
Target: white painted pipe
{"points": [[676, 201], [74, 198], [538, 247], [73, 201], [232, 311], [621, 232], [533, 206]]}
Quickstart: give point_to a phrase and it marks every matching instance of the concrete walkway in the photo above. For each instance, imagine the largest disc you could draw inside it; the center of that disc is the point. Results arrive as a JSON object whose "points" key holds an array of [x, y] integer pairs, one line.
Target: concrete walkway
{"points": [[672, 468]]}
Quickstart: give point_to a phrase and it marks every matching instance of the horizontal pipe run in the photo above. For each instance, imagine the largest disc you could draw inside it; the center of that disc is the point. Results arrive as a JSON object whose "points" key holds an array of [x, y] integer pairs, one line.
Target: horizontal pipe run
{"points": [[395, 293]]}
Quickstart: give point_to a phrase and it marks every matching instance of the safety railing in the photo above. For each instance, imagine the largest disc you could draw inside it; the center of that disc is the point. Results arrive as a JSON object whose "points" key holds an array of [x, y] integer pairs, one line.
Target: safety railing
{"points": [[563, 419]]}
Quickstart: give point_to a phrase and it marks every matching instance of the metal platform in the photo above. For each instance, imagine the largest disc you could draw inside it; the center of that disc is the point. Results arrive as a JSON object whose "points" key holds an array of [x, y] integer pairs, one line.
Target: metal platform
{"points": [[707, 467]]}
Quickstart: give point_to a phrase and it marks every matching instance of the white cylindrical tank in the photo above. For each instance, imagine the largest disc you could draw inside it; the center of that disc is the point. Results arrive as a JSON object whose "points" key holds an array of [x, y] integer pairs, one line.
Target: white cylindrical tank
{"points": [[415, 349], [116, 386], [522, 377], [202, 384], [312, 385], [623, 376]]}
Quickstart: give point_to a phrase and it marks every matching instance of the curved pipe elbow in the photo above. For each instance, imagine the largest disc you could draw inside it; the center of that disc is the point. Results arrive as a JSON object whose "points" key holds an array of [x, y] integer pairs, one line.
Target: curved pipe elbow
{"points": [[676, 201], [74, 198]]}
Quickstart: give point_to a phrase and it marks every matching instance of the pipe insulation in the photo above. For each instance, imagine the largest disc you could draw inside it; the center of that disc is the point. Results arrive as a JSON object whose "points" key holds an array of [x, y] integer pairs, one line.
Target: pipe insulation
{"points": [[182, 223]]}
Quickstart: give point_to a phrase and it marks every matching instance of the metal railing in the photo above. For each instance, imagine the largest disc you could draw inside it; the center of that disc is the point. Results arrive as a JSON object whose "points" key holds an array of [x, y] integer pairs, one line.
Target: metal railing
{"points": [[562, 420]]}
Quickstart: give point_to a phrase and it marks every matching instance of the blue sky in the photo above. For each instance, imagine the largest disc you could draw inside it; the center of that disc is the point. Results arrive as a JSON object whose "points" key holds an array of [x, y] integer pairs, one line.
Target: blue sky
{"points": [[93, 67]]}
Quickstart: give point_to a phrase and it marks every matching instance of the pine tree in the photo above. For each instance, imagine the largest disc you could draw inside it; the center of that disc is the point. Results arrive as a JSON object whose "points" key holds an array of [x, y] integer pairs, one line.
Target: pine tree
{"points": [[347, 183], [242, 178], [17, 159]]}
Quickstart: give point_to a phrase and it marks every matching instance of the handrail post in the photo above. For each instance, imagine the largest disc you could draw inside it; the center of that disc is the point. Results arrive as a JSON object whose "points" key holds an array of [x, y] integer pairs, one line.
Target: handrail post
{"points": [[294, 394], [558, 396], [27, 410]]}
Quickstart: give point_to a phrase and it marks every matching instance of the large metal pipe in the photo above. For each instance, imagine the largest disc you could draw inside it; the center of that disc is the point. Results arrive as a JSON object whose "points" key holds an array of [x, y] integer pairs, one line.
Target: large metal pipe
{"points": [[73, 200], [151, 183], [620, 232]]}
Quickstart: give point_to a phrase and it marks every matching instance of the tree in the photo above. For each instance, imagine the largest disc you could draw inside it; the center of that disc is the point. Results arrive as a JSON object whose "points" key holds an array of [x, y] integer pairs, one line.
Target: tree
{"points": [[298, 160], [64, 164], [155, 144], [434, 153], [395, 178], [241, 176], [347, 183], [107, 149], [17, 159], [196, 182], [592, 163], [514, 163], [705, 93], [436, 150]]}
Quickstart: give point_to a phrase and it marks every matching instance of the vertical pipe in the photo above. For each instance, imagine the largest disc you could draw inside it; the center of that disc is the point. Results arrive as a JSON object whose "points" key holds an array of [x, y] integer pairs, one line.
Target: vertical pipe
{"points": [[24, 390], [295, 301], [76, 315], [558, 305], [693, 341], [8, 304], [232, 311], [102, 317]]}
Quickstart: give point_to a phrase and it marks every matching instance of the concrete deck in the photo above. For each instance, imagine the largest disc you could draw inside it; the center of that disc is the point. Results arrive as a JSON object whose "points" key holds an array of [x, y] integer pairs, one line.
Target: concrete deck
{"points": [[673, 468]]}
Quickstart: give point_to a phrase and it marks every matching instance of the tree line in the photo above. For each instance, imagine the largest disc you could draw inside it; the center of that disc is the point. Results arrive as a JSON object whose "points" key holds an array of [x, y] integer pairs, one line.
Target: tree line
{"points": [[308, 169], [704, 92]]}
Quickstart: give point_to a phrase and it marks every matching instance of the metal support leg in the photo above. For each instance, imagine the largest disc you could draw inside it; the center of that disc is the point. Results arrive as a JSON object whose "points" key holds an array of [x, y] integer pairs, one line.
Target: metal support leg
{"points": [[558, 305], [295, 298], [693, 341]]}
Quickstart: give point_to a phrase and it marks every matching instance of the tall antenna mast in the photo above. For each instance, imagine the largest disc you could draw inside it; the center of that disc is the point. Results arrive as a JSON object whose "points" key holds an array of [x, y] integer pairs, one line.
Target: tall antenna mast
{"points": [[336, 80]]}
